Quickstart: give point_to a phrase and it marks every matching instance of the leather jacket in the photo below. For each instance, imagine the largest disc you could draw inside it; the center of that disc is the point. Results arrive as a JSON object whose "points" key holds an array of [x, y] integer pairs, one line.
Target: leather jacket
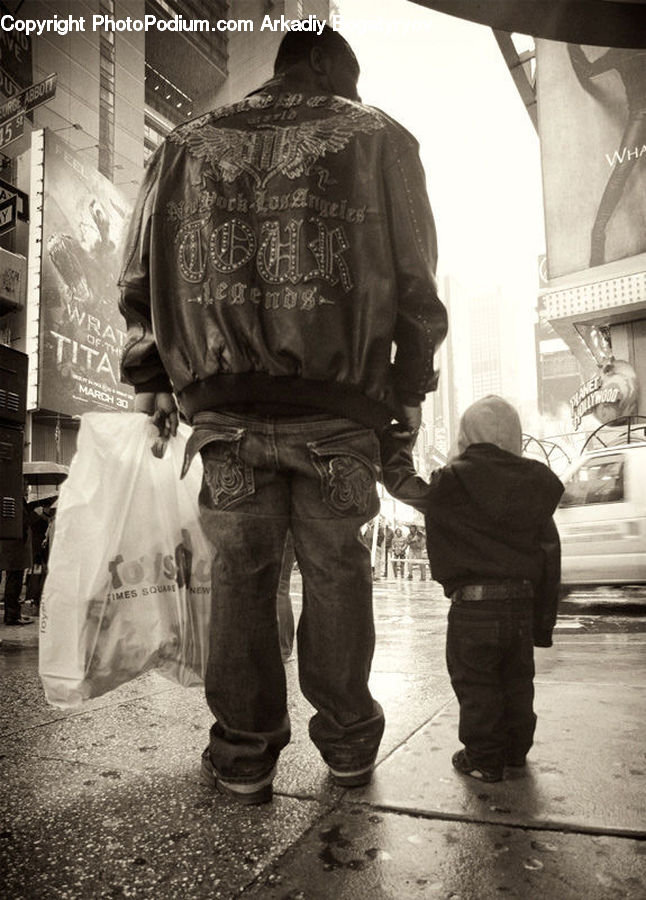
{"points": [[278, 247]]}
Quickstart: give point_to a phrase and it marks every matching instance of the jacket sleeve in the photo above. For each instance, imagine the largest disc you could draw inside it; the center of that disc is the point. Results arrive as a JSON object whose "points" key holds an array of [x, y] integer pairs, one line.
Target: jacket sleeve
{"points": [[421, 323], [547, 593], [141, 365], [399, 475]]}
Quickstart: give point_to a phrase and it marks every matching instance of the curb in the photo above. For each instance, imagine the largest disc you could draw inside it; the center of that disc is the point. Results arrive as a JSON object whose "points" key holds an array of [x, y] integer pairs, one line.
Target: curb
{"points": [[29, 642]]}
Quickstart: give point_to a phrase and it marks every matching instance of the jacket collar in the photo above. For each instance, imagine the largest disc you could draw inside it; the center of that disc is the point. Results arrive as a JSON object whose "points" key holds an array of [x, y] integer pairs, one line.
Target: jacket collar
{"points": [[282, 84]]}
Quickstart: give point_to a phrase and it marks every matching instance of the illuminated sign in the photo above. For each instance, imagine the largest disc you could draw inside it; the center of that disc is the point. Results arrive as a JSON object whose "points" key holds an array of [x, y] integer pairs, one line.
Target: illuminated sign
{"points": [[611, 394], [589, 396]]}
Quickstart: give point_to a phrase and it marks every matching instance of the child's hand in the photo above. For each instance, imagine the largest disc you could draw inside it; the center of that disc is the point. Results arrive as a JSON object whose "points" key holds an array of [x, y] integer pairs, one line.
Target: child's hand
{"points": [[399, 475], [410, 420]]}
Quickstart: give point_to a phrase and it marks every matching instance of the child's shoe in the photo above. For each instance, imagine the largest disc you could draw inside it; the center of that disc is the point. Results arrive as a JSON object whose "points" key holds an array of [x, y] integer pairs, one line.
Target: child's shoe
{"points": [[461, 763]]}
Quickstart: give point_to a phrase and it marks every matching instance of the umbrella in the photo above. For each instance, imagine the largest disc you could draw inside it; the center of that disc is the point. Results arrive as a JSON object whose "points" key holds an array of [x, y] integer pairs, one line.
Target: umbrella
{"points": [[604, 23], [44, 472]]}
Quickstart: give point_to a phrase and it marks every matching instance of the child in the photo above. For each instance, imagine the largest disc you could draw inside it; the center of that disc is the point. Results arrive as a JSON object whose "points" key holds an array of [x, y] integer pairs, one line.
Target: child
{"points": [[494, 548]]}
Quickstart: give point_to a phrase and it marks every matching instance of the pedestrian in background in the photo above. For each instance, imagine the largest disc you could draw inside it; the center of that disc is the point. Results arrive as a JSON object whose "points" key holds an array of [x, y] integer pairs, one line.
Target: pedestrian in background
{"points": [[399, 545], [41, 514], [15, 558], [280, 246], [416, 552], [380, 551], [494, 548], [388, 543]]}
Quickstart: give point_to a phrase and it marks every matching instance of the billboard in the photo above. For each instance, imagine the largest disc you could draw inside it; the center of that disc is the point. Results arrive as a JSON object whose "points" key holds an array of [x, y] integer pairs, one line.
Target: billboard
{"points": [[592, 124], [81, 332]]}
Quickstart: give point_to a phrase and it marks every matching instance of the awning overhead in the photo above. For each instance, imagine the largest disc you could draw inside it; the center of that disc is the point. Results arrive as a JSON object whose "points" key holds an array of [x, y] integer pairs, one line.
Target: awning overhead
{"points": [[605, 23], [44, 472]]}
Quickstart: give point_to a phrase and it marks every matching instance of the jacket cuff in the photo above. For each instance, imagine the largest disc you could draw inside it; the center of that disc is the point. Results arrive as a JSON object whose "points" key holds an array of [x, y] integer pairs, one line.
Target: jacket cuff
{"points": [[408, 398], [543, 639]]}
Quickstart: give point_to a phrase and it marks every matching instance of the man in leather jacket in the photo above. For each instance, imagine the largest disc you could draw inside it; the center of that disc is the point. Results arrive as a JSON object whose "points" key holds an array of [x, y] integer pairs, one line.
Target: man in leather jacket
{"points": [[280, 246]]}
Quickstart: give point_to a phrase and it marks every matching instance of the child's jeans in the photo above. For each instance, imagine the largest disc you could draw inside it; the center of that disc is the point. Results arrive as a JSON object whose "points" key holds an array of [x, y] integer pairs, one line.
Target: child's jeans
{"points": [[490, 657]]}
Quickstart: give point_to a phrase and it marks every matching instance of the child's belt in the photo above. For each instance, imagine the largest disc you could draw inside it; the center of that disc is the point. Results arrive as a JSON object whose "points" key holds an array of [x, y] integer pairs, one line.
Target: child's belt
{"points": [[502, 590]]}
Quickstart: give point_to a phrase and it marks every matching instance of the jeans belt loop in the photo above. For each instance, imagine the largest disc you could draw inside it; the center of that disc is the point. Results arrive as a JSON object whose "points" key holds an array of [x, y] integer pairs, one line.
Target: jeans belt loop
{"points": [[505, 590]]}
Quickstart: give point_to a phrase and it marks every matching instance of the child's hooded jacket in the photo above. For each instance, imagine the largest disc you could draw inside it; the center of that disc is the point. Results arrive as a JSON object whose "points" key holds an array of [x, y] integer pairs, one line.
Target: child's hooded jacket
{"points": [[489, 511]]}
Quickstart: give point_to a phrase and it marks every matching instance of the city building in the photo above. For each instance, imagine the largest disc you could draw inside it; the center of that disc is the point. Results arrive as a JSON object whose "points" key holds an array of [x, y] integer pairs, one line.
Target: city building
{"points": [[588, 103], [559, 374], [488, 339]]}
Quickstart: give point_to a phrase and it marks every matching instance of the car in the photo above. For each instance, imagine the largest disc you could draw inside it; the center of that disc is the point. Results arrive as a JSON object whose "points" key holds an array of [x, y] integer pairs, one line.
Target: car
{"points": [[602, 518]]}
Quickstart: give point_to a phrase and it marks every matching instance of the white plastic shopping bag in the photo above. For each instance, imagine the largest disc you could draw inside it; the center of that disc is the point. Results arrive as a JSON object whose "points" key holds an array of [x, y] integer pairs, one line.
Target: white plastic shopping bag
{"points": [[129, 582]]}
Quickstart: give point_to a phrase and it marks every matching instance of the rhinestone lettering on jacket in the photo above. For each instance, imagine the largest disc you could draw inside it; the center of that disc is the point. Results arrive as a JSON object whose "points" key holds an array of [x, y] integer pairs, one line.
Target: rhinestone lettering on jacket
{"points": [[301, 250], [283, 259]]}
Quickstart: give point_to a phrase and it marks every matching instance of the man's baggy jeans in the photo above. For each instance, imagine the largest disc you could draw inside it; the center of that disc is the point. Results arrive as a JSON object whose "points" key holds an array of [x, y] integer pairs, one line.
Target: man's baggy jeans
{"points": [[317, 477]]}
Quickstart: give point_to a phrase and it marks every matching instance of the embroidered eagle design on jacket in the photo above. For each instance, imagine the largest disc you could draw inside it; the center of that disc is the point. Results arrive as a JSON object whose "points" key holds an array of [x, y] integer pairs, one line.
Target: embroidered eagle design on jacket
{"points": [[271, 150]]}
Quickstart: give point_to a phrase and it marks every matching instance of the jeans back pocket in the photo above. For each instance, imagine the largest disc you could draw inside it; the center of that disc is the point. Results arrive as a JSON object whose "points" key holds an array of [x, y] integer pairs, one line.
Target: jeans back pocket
{"points": [[347, 466], [228, 478]]}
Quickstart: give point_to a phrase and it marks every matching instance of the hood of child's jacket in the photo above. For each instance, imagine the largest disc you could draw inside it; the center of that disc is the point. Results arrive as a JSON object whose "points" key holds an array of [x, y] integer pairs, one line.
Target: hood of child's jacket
{"points": [[502, 485], [491, 420]]}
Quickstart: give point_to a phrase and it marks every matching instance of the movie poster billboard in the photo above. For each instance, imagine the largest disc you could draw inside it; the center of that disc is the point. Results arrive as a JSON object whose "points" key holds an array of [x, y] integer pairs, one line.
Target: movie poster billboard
{"points": [[81, 330], [592, 123]]}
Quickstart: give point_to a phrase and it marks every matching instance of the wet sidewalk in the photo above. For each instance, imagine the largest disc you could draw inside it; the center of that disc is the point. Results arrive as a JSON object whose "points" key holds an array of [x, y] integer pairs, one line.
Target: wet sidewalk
{"points": [[105, 801]]}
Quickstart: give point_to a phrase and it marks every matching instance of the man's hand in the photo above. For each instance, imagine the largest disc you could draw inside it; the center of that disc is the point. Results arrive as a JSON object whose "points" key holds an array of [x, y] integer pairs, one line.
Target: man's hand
{"points": [[163, 409]]}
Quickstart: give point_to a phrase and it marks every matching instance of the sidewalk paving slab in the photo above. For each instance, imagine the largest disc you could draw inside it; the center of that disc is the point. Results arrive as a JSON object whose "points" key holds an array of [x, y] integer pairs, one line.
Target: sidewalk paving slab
{"points": [[153, 725], [74, 830], [616, 659], [19, 637], [586, 770], [105, 799], [364, 854]]}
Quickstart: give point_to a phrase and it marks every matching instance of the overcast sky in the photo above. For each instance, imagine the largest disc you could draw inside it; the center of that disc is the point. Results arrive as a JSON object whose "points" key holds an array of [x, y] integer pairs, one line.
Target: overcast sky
{"points": [[445, 80]]}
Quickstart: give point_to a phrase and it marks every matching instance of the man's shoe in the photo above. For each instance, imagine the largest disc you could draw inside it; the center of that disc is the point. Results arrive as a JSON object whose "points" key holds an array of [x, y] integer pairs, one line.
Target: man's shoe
{"points": [[516, 762], [23, 620], [464, 767], [252, 794], [354, 778]]}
